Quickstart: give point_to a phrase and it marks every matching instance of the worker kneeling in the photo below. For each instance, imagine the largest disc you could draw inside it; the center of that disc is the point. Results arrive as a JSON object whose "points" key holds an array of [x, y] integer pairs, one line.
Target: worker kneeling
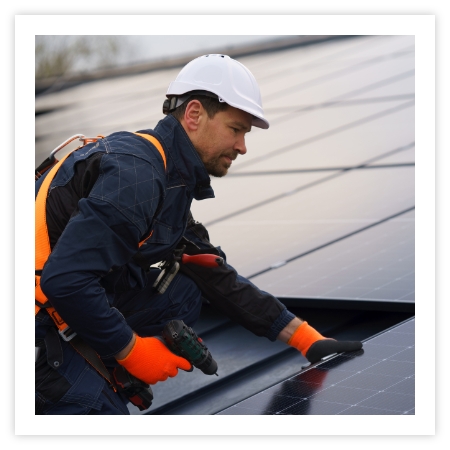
{"points": [[114, 208]]}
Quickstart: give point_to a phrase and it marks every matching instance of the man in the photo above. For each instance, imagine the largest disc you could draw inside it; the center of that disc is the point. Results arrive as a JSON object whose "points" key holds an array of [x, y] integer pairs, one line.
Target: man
{"points": [[117, 206]]}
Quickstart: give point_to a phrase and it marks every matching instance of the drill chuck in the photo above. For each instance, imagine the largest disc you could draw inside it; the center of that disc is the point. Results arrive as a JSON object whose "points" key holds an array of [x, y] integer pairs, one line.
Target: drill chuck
{"points": [[183, 341]]}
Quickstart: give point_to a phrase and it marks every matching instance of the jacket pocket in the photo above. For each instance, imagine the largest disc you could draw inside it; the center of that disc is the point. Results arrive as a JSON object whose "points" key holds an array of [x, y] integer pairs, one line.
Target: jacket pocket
{"points": [[161, 233]]}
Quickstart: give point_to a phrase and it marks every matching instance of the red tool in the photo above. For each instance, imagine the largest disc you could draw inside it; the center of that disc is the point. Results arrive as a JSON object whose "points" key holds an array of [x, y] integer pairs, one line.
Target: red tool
{"points": [[205, 260]]}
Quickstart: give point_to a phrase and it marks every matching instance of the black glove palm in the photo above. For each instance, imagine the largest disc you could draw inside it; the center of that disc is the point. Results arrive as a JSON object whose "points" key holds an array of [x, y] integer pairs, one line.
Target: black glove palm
{"points": [[314, 346], [326, 347]]}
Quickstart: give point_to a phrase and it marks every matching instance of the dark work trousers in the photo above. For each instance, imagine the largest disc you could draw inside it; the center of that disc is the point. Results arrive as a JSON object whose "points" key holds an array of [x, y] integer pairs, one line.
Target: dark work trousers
{"points": [[75, 387]]}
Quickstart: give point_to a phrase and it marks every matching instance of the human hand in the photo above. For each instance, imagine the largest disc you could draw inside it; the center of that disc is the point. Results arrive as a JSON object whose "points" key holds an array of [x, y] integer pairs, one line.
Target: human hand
{"points": [[151, 361]]}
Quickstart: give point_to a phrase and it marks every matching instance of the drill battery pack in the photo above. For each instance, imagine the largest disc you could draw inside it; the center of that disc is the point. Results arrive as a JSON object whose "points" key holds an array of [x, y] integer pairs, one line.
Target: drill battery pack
{"points": [[139, 393]]}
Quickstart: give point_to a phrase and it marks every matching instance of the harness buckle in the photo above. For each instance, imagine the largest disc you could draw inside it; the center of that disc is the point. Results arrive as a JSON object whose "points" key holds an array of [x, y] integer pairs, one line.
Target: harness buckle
{"points": [[67, 334], [87, 140]]}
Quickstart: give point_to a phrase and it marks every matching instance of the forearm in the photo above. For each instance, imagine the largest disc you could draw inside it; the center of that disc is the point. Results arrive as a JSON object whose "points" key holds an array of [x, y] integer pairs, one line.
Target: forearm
{"points": [[234, 295]]}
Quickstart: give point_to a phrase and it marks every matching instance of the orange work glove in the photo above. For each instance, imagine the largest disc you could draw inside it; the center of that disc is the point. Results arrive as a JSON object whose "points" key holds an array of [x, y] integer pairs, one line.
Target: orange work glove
{"points": [[151, 361], [314, 346]]}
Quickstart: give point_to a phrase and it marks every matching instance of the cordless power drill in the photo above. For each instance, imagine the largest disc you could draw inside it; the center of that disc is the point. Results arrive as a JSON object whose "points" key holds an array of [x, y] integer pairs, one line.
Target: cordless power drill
{"points": [[181, 340]]}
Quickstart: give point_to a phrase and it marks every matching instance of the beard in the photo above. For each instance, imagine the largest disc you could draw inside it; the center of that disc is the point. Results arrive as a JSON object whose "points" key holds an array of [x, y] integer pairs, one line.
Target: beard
{"points": [[216, 167]]}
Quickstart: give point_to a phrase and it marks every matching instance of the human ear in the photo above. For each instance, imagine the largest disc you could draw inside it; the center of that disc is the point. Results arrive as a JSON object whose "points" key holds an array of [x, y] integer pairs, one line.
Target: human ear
{"points": [[193, 115]]}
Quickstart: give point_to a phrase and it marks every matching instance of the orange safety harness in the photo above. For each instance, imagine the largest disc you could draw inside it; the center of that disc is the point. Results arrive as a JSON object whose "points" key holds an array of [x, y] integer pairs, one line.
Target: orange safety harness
{"points": [[42, 241]]}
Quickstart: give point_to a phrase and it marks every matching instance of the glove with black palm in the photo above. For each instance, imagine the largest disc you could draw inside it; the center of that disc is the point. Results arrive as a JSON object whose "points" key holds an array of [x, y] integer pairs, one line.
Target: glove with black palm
{"points": [[314, 346]]}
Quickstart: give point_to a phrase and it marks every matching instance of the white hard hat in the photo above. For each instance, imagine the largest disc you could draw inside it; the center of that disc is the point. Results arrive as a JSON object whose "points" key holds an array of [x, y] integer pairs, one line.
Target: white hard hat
{"points": [[225, 77]]}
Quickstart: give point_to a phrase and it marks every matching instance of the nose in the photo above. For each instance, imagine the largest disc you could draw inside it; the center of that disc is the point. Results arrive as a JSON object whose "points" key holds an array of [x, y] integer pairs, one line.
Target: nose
{"points": [[240, 146]]}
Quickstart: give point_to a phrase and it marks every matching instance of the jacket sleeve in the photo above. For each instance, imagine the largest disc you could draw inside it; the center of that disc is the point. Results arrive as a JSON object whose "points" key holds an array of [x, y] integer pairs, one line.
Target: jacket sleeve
{"points": [[102, 235], [231, 293]]}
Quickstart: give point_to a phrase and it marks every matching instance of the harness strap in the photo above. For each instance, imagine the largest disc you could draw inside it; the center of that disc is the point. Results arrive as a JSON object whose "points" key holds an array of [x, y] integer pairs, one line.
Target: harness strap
{"points": [[91, 356], [42, 253], [42, 241], [157, 144]]}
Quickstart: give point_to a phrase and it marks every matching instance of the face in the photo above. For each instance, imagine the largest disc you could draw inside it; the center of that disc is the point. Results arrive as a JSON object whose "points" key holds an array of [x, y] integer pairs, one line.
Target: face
{"points": [[220, 140]]}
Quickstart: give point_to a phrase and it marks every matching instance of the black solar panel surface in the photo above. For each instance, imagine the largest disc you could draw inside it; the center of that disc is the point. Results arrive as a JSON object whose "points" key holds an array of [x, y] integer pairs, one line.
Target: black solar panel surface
{"points": [[375, 264], [304, 218], [378, 380]]}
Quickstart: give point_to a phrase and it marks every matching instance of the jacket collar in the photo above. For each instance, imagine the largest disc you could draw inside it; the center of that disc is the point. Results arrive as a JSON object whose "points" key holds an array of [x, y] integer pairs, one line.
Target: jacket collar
{"points": [[184, 166]]}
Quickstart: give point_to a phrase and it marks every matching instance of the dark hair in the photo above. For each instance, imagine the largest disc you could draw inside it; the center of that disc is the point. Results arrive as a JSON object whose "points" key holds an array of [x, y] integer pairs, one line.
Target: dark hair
{"points": [[212, 106]]}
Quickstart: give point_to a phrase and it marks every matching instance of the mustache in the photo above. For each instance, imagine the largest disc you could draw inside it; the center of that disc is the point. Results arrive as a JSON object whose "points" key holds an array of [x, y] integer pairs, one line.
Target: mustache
{"points": [[233, 156]]}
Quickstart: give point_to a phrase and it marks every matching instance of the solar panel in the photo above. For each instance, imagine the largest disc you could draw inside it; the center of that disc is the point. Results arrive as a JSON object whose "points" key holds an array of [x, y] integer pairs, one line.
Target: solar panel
{"points": [[346, 146], [295, 84], [318, 137], [376, 264], [297, 221], [407, 156], [377, 380], [401, 84]]}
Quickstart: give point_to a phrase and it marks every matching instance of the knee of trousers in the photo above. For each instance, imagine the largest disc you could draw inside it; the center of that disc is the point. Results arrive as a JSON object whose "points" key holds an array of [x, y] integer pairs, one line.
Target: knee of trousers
{"points": [[151, 311], [185, 299]]}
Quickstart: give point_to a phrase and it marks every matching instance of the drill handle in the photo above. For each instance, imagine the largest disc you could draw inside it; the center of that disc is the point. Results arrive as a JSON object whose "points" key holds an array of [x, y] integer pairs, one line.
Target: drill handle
{"points": [[205, 260]]}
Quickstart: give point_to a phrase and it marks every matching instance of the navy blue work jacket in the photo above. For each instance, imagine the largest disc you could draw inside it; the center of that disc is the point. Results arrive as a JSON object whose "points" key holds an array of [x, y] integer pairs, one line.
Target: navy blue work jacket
{"points": [[133, 196]]}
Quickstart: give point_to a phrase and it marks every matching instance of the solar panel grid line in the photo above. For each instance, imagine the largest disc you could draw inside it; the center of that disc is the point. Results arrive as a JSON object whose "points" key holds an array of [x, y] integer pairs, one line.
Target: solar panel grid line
{"points": [[340, 97], [354, 203], [335, 240], [304, 58], [292, 114], [335, 96], [325, 134], [341, 72], [346, 384], [335, 51], [357, 87], [272, 199], [349, 47], [370, 87], [369, 291], [336, 103], [321, 169], [377, 264], [363, 165], [305, 186], [298, 61], [350, 148], [370, 256]]}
